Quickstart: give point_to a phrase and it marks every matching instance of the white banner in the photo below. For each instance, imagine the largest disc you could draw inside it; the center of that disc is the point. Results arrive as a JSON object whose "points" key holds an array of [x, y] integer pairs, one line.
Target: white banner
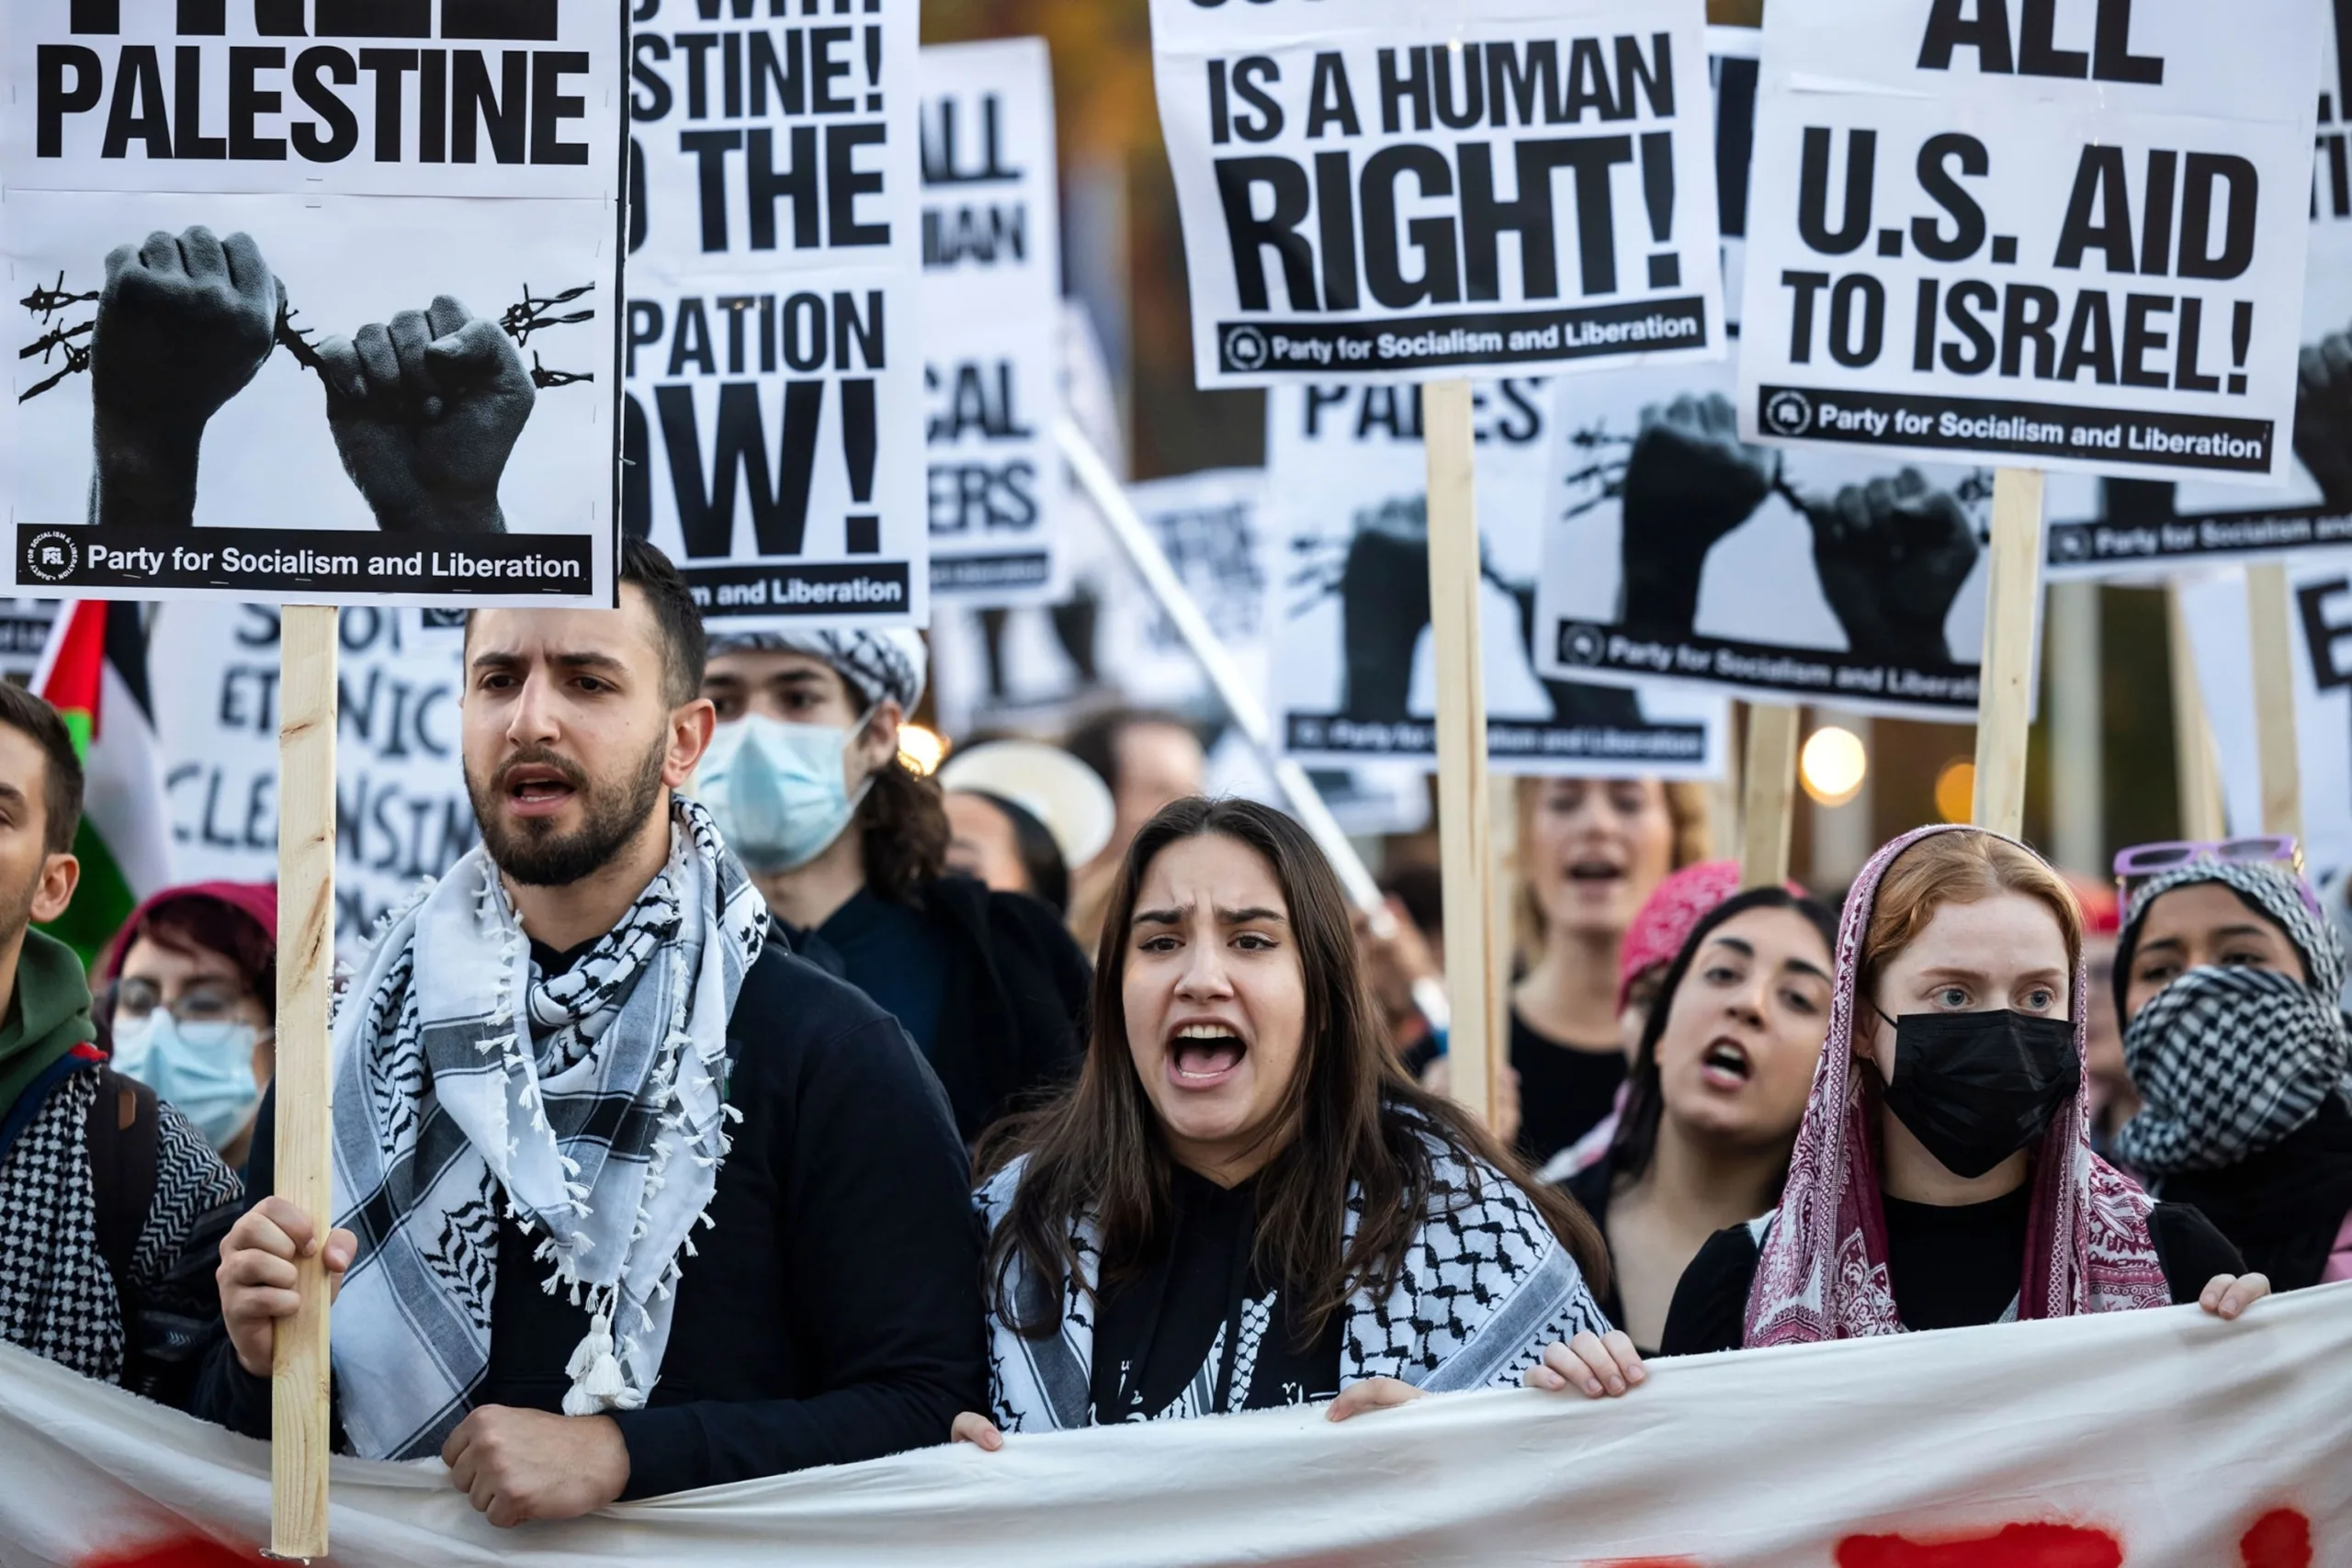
{"points": [[317, 299], [400, 807], [2144, 529], [775, 425], [1354, 674], [1393, 189], [992, 312], [1675, 551], [2069, 236], [2150, 1439]]}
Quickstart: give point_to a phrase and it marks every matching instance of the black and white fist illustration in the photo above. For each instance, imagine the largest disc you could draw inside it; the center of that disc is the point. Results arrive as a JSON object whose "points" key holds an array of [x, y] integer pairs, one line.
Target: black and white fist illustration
{"points": [[2324, 417], [1892, 556], [1688, 481], [184, 323], [425, 409]]}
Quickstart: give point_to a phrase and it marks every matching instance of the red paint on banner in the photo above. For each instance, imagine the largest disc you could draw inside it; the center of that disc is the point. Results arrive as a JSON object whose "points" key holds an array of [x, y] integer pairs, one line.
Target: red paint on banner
{"points": [[2280, 1539], [2012, 1546], [186, 1552]]}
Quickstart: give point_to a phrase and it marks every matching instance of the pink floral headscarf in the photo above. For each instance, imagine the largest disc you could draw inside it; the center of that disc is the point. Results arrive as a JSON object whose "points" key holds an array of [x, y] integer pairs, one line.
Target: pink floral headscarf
{"points": [[1823, 1272], [1668, 916]]}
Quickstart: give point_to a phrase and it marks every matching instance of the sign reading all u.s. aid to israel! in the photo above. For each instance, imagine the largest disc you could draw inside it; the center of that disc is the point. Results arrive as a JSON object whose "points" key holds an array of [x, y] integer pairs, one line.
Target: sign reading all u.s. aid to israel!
{"points": [[2050, 233], [313, 300], [1391, 190]]}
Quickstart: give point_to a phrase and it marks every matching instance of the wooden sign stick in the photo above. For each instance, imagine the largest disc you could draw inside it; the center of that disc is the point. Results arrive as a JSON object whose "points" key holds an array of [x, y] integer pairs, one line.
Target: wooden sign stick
{"points": [[2198, 769], [2003, 701], [2268, 605], [1466, 851], [299, 1414], [1768, 786]]}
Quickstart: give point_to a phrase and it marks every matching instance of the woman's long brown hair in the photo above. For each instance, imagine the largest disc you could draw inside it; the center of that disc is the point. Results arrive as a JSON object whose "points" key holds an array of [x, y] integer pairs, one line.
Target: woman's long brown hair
{"points": [[1349, 1119]]}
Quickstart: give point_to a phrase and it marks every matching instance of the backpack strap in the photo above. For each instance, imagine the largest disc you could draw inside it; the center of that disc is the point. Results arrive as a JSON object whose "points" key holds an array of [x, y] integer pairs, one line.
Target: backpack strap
{"points": [[123, 1137]]}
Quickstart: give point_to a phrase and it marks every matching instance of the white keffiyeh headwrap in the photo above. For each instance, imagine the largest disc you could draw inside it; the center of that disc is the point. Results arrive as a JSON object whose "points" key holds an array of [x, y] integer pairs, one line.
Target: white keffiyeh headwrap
{"points": [[591, 1105]]}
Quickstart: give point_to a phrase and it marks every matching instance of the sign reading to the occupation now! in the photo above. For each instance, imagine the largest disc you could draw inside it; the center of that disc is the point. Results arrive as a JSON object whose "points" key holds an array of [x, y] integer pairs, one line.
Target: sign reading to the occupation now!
{"points": [[1390, 190], [313, 300], [2059, 233]]}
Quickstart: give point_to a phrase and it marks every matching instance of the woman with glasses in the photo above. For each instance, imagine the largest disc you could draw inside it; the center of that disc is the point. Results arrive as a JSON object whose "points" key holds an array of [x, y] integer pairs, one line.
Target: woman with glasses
{"points": [[1943, 1176], [2228, 979], [190, 1004]]}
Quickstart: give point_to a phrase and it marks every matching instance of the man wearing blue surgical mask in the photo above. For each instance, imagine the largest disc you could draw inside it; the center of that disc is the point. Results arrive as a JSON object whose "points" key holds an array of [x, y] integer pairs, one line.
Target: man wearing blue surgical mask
{"points": [[190, 999], [849, 845]]}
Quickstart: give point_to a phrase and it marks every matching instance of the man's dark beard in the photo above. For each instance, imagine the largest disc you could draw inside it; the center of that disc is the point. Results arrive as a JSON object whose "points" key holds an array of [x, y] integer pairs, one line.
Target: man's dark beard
{"points": [[532, 852]]}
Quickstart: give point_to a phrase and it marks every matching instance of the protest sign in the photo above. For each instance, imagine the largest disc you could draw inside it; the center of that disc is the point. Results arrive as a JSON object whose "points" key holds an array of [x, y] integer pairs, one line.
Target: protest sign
{"points": [[2054, 233], [774, 429], [1734, 65], [319, 299], [992, 313], [401, 811], [1352, 676], [1673, 550], [2128, 527], [1391, 190], [2057, 1443], [23, 631]]}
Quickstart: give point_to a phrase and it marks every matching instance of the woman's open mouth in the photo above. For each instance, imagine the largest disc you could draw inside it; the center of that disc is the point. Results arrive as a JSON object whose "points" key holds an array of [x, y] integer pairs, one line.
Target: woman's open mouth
{"points": [[1203, 1055], [1726, 1066]]}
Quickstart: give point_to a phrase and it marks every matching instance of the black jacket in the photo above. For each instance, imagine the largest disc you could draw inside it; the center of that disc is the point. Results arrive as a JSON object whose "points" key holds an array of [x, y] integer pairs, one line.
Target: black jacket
{"points": [[1013, 1023], [833, 1313]]}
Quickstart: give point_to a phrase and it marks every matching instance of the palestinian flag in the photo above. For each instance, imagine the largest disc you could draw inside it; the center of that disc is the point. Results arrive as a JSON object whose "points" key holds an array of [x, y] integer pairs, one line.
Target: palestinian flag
{"points": [[93, 673]]}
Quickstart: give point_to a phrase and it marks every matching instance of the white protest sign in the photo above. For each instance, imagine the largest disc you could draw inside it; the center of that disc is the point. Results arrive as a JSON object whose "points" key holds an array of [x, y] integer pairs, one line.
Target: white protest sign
{"points": [[774, 420], [2059, 1443], [991, 295], [1353, 676], [1391, 190], [2125, 529], [24, 632], [1734, 66], [402, 812], [1674, 550], [317, 298], [2053, 234]]}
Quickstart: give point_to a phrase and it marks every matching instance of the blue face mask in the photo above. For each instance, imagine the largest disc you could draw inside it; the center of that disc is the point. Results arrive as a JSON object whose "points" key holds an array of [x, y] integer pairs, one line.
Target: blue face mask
{"points": [[203, 1071], [776, 791]]}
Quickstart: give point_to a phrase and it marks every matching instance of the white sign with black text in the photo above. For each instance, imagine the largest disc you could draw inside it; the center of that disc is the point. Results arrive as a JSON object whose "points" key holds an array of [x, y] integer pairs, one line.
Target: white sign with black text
{"points": [[2050, 233], [316, 298], [992, 282], [1392, 190], [774, 420], [1353, 673]]}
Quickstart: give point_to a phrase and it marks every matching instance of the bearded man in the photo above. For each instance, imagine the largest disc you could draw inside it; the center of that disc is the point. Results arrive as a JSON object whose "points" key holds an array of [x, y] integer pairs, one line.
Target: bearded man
{"points": [[578, 1051]]}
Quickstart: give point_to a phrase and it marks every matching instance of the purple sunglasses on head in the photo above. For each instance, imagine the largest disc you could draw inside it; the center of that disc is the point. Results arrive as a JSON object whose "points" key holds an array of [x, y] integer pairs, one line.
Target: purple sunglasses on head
{"points": [[2142, 860]]}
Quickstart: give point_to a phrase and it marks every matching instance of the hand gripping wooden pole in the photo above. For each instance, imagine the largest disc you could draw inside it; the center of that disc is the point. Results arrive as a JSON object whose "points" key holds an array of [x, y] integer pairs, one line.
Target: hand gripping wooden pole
{"points": [[1464, 837], [1768, 795], [2269, 607], [298, 1426], [2004, 693]]}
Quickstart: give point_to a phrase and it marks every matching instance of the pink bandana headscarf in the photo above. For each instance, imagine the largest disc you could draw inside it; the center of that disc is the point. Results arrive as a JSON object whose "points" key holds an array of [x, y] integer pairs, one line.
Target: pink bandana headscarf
{"points": [[1823, 1272], [1668, 916]]}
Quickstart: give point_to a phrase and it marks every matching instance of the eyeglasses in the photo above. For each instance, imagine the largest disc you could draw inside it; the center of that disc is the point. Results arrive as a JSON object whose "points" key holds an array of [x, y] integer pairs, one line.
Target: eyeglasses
{"points": [[203, 1012], [2142, 860]]}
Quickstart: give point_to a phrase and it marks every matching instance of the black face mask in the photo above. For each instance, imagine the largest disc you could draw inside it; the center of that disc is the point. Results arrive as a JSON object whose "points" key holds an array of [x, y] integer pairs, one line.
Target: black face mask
{"points": [[1974, 1088]]}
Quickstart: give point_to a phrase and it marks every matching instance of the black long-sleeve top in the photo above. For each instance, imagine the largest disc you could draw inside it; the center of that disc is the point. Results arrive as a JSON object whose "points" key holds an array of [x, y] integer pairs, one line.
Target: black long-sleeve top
{"points": [[832, 1313]]}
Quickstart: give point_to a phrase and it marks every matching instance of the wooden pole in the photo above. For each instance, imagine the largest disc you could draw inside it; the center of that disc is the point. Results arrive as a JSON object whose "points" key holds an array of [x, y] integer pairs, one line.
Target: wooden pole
{"points": [[2077, 730], [1768, 795], [2003, 701], [1503, 826], [299, 1431], [1465, 851], [2198, 766], [2268, 606]]}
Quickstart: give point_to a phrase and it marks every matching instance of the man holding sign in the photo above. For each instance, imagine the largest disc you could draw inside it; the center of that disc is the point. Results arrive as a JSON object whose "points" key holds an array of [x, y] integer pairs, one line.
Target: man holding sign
{"points": [[536, 1077]]}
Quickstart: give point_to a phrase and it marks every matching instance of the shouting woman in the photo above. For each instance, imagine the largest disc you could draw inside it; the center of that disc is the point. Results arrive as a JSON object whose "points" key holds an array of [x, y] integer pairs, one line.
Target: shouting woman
{"points": [[1943, 1176], [1243, 1201]]}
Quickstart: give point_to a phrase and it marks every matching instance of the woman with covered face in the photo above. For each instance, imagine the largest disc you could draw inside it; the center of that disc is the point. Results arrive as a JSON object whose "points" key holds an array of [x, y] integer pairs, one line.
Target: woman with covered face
{"points": [[1943, 1176], [1243, 1201], [1727, 1055], [2234, 1042]]}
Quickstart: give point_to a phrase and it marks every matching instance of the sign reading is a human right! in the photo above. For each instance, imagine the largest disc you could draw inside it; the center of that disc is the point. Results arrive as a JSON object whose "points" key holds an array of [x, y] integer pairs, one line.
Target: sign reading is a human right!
{"points": [[2053, 234]]}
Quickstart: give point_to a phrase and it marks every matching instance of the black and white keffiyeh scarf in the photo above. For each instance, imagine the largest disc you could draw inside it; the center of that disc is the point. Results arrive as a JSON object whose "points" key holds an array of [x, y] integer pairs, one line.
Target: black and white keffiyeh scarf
{"points": [[2231, 1061], [1485, 1289], [590, 1105]]}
